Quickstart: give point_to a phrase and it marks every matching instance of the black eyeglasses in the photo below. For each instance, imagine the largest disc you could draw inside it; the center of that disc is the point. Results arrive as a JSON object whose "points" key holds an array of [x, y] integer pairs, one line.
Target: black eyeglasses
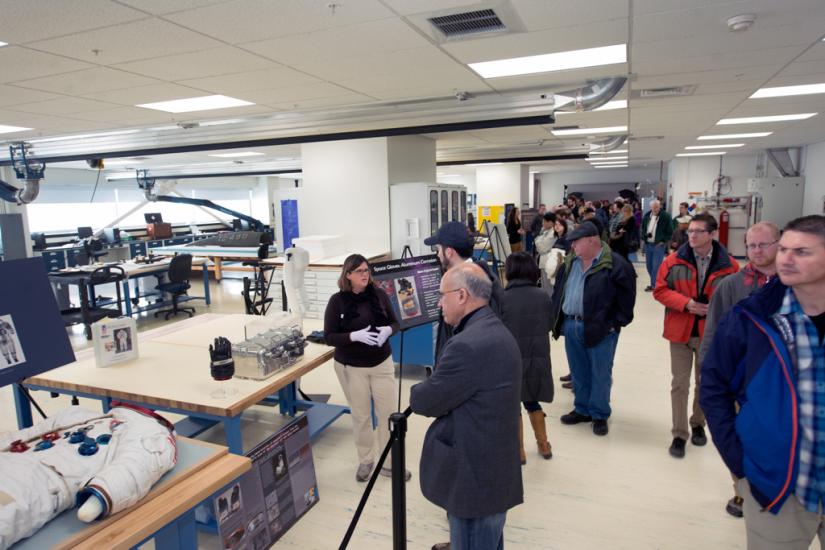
{"points": [[442, 294]]}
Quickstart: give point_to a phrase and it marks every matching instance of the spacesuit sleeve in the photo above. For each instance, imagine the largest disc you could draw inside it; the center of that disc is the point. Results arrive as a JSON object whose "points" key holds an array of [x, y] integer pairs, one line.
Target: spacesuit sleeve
{"points": [[141, 454]]}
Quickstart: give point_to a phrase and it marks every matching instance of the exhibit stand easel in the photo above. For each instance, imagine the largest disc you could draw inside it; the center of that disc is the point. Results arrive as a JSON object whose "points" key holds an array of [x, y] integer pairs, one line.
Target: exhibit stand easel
{"points": [[498, 246]]}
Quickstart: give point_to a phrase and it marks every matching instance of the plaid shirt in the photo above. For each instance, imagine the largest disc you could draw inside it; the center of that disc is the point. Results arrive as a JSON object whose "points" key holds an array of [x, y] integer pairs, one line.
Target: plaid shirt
{"points": [[810, 386]]}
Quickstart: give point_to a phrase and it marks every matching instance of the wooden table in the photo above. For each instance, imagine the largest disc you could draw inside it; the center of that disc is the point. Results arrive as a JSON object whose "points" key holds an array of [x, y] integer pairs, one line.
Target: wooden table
{"points": [[172, 374], [166, 514], [218, 255]]}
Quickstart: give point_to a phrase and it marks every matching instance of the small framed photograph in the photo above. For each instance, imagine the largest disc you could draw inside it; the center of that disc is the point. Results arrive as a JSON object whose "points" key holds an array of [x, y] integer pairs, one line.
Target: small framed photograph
{"points": [[115, 341]]}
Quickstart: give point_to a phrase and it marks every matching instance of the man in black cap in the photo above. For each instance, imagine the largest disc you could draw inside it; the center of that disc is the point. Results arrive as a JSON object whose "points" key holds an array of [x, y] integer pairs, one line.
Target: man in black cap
{"points": [[454, 246], [593, 299]]}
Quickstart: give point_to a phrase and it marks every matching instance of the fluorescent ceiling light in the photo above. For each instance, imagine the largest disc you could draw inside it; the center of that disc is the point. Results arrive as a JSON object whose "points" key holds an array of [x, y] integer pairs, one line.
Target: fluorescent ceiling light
{"points": [[616, 166], [9, 129], [486, 164], [83, 136], [588, 131], [609, 163], [724, 146], [608, 159], [609, 106], [616, 152], [735, 136], [192, 104], [560, 61], [708, 154], [3, 44], [772, 118], [238, 154], [782, 91], [221, 122]]}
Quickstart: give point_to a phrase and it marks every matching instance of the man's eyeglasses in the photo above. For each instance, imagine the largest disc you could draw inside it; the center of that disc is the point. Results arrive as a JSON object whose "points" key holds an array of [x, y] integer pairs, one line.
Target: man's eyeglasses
{"points": [[696, 231], [442, 294], [360, 271], [760, 246]]}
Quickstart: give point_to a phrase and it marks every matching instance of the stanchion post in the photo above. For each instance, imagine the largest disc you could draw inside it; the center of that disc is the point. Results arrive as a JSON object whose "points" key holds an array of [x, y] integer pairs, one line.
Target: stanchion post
{"points": [[398, 426]]}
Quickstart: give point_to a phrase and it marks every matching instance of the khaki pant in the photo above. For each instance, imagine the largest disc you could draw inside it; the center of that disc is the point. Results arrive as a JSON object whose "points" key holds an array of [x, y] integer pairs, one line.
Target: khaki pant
{"points": [[682, 358], [362, 387], [793, 528]]}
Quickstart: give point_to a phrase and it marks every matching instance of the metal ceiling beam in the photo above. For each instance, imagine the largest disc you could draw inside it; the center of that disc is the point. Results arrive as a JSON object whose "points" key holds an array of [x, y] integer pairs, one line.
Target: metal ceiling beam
{"points": [[313, 138], [512, 159]]}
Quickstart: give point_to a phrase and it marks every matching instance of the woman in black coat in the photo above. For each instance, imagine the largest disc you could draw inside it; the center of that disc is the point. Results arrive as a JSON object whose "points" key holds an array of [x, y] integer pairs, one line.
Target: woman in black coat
{"points": [[514, 230], [526, 311], [622, 241]]}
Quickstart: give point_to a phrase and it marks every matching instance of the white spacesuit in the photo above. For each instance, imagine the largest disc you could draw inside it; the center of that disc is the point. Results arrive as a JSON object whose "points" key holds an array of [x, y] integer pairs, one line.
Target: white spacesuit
{"points": [[7, 347], [297, 260], [104, 463]]}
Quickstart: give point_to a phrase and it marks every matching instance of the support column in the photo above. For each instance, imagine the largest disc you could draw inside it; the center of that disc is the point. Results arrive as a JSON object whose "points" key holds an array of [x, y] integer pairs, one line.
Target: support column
{"points": [[502, 183]]}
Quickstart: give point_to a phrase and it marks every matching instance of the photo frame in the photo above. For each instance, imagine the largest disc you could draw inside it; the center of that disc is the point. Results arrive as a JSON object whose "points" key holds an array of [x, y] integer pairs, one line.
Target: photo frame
{"points": [[115, 341]]}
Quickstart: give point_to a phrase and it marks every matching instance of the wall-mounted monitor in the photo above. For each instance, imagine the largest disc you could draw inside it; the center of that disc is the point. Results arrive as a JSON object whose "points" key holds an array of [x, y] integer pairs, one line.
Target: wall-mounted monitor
{"points": [[84, 232], [153, 217]]}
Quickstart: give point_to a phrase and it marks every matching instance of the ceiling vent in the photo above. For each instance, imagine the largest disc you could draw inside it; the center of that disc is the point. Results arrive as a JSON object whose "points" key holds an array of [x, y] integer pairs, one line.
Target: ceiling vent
{"points": [[669, 91], [459, 25]]}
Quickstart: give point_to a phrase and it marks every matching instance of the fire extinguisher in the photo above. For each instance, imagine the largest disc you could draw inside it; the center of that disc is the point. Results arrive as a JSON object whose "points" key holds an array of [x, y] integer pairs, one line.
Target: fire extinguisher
{"points": [[724, 226]]}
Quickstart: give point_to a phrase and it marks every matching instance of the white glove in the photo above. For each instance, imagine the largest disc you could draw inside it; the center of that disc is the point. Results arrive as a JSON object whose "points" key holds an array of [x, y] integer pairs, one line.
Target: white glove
{"points": [[364, 336], [383, 334]]}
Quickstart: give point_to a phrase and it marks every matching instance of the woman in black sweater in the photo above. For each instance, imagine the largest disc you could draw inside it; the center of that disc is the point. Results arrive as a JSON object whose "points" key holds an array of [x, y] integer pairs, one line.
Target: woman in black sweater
{"points": [[358, 322], [514, 230]]}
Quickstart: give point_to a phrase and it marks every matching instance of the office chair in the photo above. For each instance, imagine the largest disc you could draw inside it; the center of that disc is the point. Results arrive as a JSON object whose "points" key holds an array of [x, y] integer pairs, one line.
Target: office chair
{"points": [[179, 272], [89, 312], [256, 290], [94, 249]]}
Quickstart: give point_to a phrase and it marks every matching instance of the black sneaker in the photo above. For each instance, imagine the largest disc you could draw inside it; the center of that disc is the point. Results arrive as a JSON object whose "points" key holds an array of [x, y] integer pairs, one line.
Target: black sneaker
{"points": [[574, 418], [698, 436], [648, 289], [566, 378], [734, 507], [600, 426], [677, 448], [567, 385]]}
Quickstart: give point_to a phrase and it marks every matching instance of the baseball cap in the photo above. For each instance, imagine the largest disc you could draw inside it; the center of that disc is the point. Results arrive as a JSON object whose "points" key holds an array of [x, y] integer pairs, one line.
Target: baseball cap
{"points": [[586, 229], [452, 235]]}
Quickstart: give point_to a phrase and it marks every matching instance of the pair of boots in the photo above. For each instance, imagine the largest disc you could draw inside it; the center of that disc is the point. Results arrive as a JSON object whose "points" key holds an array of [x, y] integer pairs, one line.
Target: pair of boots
{"points": [[540, 430]]}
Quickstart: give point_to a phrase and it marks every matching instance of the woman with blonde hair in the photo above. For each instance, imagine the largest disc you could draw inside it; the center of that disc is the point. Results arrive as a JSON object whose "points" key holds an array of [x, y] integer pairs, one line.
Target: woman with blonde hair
{"points": [[358, 322]]}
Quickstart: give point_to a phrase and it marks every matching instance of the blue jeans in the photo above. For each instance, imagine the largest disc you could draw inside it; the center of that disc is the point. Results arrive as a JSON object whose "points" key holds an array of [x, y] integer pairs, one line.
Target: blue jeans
{"points": [[592, 369], [654, 256], [484, 533]]}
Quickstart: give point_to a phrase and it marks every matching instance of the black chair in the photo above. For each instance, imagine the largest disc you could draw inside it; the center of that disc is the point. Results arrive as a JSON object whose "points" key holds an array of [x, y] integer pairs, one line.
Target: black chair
{"points": [[94, 249], [256, 290], [89, 312], [179, 272]]}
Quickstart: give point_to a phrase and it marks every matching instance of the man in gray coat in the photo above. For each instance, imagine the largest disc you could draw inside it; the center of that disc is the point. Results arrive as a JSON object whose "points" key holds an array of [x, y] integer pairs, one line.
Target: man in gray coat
{"points": [[470, 459]]}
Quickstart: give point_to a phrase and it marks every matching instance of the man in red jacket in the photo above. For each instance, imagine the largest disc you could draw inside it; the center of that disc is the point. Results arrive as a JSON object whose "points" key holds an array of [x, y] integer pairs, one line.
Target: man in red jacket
{"points": [[684, 285]]}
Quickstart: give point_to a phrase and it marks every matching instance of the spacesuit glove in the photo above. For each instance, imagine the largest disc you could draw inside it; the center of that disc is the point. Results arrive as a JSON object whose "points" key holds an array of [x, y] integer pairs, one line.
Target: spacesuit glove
{"points": [[383, 334], [364, 336]]}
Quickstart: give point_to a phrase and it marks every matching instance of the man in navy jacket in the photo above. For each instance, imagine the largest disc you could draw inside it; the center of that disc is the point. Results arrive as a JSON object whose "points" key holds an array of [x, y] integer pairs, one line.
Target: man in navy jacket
{"points": [[470, 460], [768, 356]]}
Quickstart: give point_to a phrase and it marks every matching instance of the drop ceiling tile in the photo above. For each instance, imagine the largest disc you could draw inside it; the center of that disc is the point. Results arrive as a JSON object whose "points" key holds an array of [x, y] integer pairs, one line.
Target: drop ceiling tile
{"points": [[127, 42], [604, 33], [278, 77], [299, 94], [22, 63], [250, 20], [805, 69], [405, 7], [419, 92], [12, 95], [201, 64], [147, 94], [98, 79], [336, 101], [127, 116], [650, 59], [161, 7], [24, 22], [557, 81], [721, 76], [343, 42], [64, 106], [554, 14]]}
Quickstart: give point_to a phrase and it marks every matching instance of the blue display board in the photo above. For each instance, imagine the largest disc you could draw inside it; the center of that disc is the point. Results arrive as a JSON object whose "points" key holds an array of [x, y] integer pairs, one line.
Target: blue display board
{"points": [[33, 336], [289, 221]]}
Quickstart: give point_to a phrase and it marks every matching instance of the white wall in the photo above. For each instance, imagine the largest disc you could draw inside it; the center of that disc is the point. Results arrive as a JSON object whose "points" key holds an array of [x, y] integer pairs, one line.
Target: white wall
{"points": [[346, 192], [552, 183], [411, 159], [814, 172], [500, 184]]}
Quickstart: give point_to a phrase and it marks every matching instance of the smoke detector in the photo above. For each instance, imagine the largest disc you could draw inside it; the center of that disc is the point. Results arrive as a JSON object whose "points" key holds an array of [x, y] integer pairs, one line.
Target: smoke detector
{"points": [[740, 23]]}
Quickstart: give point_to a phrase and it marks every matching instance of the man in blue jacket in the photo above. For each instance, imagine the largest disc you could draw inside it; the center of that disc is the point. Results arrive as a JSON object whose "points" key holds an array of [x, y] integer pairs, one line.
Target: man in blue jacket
{"points": [[470, 460], [768, 356]]}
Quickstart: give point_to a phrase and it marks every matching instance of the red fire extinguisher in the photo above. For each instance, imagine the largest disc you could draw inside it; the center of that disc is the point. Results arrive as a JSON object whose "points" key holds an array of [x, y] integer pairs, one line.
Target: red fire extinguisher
{"points": [[724, 226]]}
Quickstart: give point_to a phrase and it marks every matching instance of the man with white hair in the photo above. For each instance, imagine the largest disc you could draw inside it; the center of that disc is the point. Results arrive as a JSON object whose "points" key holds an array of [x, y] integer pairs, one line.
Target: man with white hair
{"points": [[470, 460], [656, 231]]}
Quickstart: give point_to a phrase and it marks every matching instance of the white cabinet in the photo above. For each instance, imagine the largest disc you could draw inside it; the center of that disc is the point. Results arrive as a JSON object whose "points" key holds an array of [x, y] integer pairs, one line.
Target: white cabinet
{"points": [[417, 210]]}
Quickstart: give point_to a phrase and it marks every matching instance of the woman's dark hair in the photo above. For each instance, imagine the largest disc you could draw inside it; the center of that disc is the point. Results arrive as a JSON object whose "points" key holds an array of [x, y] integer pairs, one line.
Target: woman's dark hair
{"points": [[352, 263], [549, 217], [521, 265], [564, 225], [511, 216]]}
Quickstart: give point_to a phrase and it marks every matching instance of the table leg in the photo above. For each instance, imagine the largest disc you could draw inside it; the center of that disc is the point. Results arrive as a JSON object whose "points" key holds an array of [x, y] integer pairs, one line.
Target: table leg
{"points": [[179, 534], [232, 427], [127, 298], [206, 283], [286, 400], [217, 261], [22, 407]]}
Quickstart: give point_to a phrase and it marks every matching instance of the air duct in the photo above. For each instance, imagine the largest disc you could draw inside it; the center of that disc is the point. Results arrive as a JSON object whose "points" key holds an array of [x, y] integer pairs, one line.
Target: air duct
{"points": [[609, 144], [593, 96]]}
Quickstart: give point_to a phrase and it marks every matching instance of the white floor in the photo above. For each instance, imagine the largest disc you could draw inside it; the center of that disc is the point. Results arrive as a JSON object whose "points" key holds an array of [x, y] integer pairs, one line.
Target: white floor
{"points": [[622, 491]]}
